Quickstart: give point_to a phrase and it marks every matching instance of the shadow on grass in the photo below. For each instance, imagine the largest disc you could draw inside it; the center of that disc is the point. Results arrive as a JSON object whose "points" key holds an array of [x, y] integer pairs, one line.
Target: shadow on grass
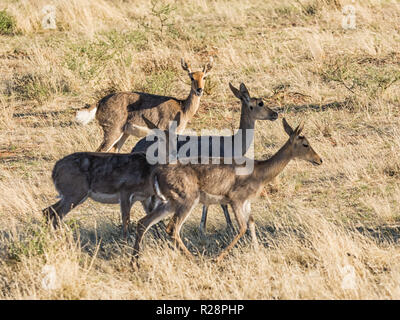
{"points": [[382, 233], [46, 118], [343, 105], [106, 242], [43, 114], [211, 244]]}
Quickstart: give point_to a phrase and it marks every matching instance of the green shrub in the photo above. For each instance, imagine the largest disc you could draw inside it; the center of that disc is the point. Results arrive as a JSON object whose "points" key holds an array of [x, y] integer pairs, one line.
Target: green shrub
{"points": [[369, 75], [29, 246], [7, 23], [160, 83], [88, 58]]}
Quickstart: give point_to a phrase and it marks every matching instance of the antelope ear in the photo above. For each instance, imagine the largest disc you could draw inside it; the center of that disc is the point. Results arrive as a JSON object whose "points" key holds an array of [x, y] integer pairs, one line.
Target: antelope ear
{"points": [[287, 127], [185, 66], [299, 128], [235, 91], [149, 124], [207, 67], [244, 92]]}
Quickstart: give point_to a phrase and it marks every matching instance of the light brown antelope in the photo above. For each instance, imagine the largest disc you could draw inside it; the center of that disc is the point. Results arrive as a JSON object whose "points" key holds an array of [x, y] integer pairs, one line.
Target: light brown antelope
{"points": [[120, 114], [103, 177], [252, 109], [181, 187]]}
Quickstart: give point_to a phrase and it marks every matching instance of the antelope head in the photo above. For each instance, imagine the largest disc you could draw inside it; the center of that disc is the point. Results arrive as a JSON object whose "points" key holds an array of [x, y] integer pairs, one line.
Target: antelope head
{"points": [[197, 78], [255, 107], [299, 144]]}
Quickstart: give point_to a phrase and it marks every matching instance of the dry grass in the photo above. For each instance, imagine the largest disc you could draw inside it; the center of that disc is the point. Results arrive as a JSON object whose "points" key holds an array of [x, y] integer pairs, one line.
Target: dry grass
{"points": [[344, 83]]}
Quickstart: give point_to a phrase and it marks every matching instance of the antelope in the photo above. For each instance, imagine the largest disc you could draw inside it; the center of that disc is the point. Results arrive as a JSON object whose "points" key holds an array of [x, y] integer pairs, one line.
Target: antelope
{"points": [[181, 187], [104, 177], [252, 109], [120, 114]]}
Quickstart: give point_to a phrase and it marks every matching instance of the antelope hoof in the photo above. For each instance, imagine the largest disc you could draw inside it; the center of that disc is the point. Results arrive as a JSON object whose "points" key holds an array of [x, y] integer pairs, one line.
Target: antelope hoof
{"points": [[218, 259], [125, 236], [169, 228], [50, 217], [135, 265], [135, 262], [202, 231], [256, 246]]}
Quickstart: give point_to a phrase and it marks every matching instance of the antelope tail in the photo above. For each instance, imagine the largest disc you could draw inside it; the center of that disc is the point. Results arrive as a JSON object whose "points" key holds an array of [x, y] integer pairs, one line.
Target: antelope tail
{"points": [[157, 190], [86, 115]]}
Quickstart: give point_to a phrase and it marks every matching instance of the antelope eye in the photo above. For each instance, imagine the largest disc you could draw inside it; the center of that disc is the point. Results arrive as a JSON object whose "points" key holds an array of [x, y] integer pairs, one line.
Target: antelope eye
{"points": [[305, 145], [260, 104]]}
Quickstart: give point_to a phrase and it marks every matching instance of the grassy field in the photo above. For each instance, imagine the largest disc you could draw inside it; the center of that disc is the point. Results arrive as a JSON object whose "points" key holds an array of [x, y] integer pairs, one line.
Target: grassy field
{"points": [[327, 232]]}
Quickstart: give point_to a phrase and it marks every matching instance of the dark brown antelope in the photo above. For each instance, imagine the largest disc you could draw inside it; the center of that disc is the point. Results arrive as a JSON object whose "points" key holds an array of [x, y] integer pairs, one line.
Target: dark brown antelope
{"points": [[103, 177], [252, 109], [181, 187], [120, 114]]}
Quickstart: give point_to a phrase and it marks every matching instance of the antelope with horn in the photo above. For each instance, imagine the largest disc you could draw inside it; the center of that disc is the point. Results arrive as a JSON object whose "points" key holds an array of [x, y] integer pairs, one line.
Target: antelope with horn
{"points": [[252, 109], [120, 114], [182, 186], [110, 178]]}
